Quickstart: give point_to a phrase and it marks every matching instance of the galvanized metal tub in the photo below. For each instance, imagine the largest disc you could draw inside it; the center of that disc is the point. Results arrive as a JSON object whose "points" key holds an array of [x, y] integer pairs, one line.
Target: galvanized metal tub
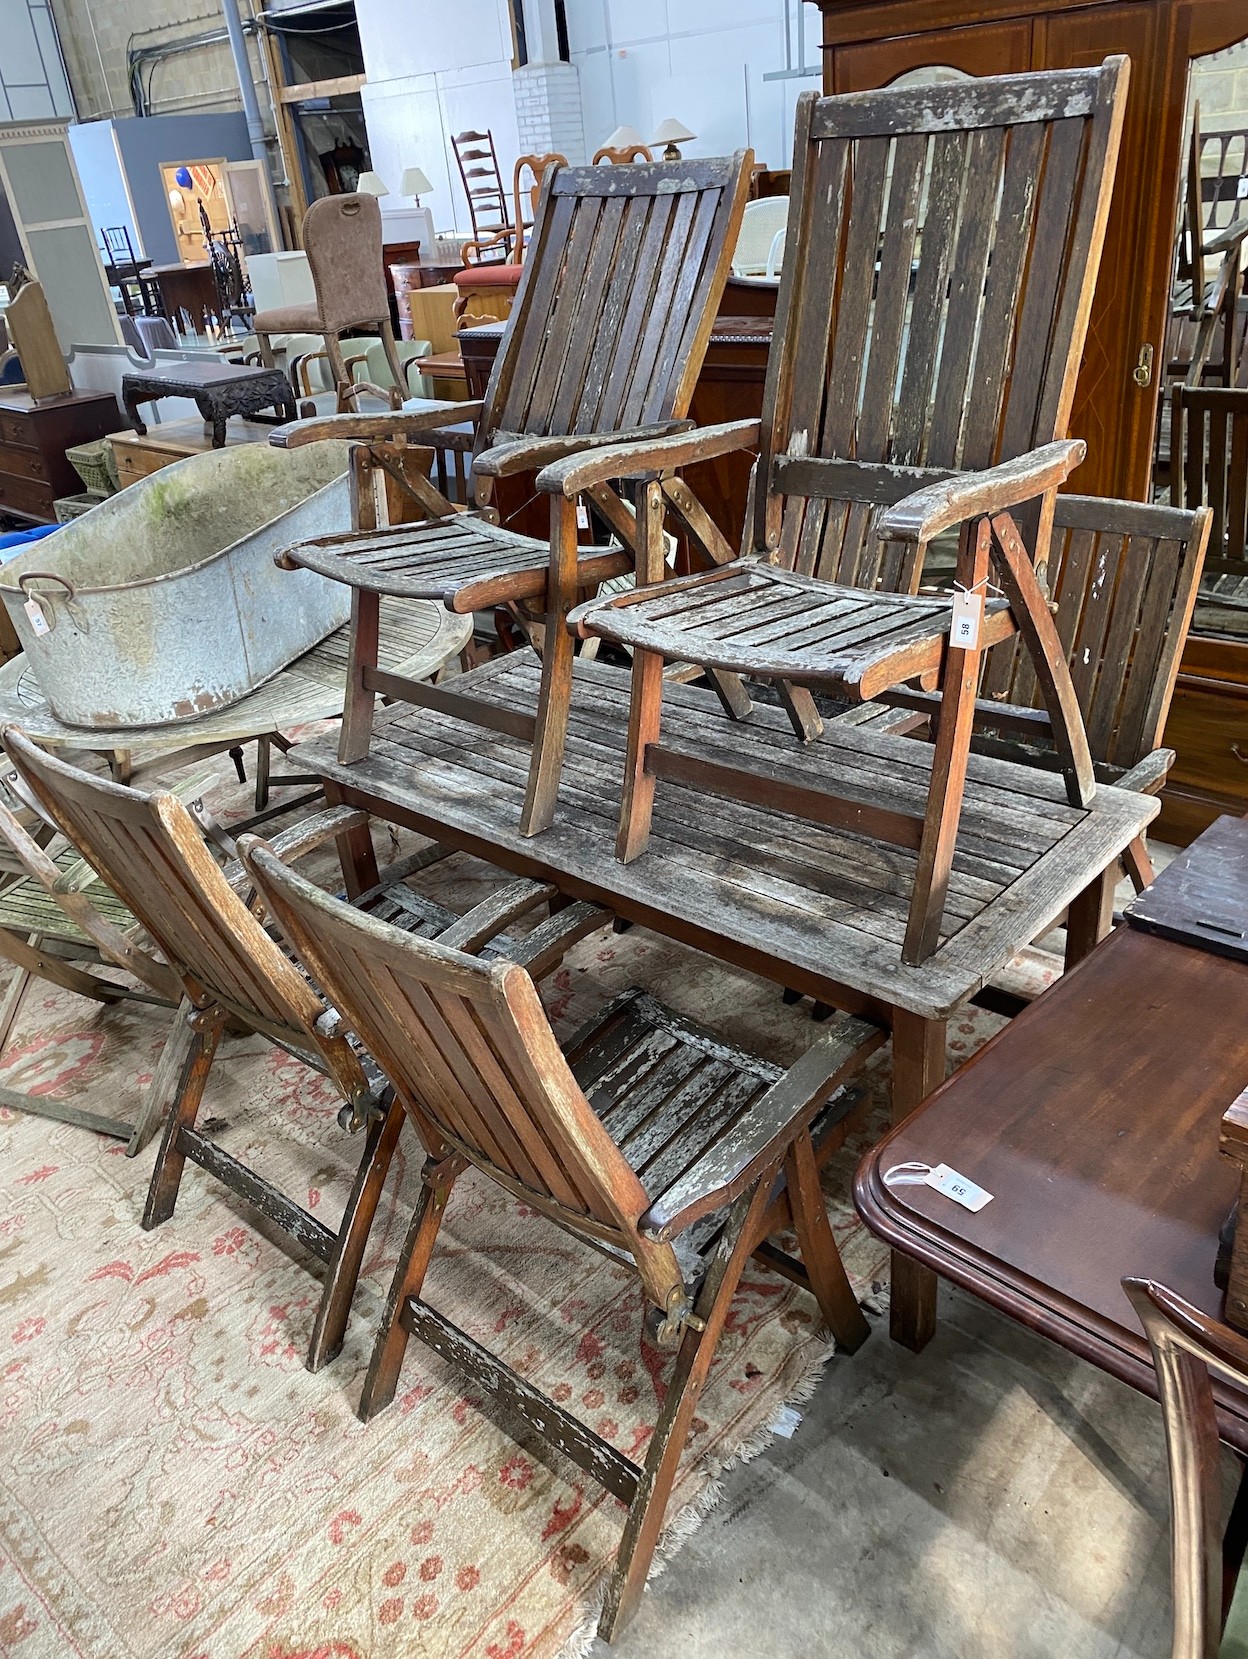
{"points": [[164, 601]]}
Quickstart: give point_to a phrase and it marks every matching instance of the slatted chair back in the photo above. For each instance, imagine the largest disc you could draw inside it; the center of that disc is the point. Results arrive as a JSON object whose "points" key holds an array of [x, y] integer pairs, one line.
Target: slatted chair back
{"points": [[471, 1054], [1209, 465], [1190, 1350], [1124, 578], [148, 849], [477, 161], [943, 245], [614, 309]]}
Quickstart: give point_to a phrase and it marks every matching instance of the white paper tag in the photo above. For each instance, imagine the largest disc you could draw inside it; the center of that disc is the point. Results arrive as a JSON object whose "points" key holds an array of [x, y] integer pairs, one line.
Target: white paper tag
{"points": [[38, 621], [582, 516], [787, 1423], [957, 1187], [1241, 187], [968, 613]]}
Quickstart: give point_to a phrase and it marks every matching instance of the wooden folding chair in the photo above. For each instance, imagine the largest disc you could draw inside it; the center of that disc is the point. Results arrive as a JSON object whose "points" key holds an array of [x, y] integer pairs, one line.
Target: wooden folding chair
{"points": [[1124, 579], [1189, 1351], [605, 342], [149, 850], [650, 1139], [943, 246], [1209, 446], [59, 922]]}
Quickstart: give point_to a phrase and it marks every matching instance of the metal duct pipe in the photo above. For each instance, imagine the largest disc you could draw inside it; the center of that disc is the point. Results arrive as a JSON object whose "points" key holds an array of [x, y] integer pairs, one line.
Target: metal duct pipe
{"points": [[242, 65]]}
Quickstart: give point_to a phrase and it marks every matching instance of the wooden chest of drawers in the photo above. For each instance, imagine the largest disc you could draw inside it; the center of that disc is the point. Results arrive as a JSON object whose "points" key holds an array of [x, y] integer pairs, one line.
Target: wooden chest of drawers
{"points": [[1208, 729], [33, 440]]}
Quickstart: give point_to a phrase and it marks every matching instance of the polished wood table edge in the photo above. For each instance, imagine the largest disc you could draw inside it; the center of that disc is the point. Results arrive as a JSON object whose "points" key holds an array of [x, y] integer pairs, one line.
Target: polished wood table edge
{"points": [[1117, 1350]]}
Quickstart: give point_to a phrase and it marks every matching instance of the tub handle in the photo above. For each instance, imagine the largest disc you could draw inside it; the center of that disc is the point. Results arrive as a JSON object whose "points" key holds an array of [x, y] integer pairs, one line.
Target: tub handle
{"points": [[47, 576]]}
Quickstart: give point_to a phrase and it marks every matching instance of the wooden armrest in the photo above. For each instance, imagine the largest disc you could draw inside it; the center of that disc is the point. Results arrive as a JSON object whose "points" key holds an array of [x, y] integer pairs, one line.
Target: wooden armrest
{"points": [[577, 473], [1230, 237], [542, 950], [509, 455], [395, 423], [301, 839], [761, 1139], [471, 252], [480, 924], [938, 507], [1148, 776]]}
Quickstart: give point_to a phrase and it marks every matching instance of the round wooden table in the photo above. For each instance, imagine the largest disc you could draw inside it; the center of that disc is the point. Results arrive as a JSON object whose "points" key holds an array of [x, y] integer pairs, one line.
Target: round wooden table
{"points": [[417, 638]]}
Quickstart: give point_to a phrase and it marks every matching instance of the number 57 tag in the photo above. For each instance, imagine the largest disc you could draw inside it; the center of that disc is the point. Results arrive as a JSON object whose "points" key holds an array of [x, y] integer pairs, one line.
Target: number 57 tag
{"points": [[968, 613]]}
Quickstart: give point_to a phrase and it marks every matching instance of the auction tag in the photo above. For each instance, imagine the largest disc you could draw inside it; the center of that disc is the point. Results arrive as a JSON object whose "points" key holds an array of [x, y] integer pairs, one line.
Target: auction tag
{"points": [[957, 1187], [38, 621], [582, 516], [968, 613]]}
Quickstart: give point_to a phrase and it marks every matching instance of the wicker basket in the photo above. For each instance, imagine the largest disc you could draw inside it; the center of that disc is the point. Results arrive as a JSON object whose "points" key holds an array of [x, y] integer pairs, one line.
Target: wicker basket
{"points": [[96, 465]]}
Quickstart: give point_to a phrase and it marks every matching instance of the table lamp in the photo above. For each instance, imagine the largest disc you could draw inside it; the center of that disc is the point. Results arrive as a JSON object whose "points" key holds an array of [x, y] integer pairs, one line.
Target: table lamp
{"points": [[372, 184], [623, 138], [672, 133], [414, 183]]}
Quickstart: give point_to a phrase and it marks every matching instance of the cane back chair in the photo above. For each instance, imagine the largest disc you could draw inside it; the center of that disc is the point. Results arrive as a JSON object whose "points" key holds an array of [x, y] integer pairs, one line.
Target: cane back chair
{"points": [[230, 970], [646, 1133], [605, 343], [943, 248], [1189, 1351]]}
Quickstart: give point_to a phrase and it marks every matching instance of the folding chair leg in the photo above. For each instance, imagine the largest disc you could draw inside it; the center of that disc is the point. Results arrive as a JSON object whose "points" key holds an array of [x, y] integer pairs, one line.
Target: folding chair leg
{"points": [[822, 1260], [168, 1073], [162, 1194], [357, 1221], [13, 996], [645, 712], [1138, 865], [555, 697], [950, 753], [409, 1276], [693, 1362], [357, 709]]}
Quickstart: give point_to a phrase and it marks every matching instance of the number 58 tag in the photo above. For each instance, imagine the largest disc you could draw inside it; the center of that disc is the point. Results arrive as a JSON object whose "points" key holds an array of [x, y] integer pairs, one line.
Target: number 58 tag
{"points": [[968, 613]]}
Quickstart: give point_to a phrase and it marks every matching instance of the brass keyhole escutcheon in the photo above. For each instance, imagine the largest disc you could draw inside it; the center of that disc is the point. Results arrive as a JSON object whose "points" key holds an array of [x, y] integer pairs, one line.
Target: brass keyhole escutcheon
{"points": [[1142, 373]]}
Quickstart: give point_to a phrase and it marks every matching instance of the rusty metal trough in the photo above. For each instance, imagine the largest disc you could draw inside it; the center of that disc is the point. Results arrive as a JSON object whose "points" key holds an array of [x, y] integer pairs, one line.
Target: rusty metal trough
{"points": [[164, 602]]}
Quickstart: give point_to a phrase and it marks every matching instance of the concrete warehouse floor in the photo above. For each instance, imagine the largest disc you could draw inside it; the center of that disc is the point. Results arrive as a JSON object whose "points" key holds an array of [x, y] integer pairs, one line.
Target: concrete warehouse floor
{"points": [[991, 1498]]}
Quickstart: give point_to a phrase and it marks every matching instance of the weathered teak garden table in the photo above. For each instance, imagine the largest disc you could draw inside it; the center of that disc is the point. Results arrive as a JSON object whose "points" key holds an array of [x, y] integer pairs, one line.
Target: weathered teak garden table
{"points": [[820, 909]]}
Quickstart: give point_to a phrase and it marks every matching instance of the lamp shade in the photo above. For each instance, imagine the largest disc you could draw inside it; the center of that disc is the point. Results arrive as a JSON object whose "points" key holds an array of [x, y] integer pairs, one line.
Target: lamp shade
{"points": [[672, 131], [372, 184], [414, 183], [621, 138]]}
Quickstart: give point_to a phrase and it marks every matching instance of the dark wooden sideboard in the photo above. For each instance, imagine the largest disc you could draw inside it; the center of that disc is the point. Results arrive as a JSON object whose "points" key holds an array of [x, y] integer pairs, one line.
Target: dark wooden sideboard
{"points": [[33, 440]]}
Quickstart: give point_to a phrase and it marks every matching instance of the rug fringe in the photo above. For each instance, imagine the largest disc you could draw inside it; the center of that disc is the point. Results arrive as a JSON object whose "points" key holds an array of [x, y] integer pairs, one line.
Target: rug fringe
{"points": [[691, 1515]]}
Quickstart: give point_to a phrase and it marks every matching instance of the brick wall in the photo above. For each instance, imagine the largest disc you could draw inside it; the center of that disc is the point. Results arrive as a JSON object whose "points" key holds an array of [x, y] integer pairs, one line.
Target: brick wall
{"points": [[548, 110]]}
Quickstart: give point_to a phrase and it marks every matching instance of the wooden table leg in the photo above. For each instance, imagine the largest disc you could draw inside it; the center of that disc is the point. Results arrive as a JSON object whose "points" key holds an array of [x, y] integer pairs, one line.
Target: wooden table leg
{"points": [[1091, 915], [918, 1067], [355, 852]]}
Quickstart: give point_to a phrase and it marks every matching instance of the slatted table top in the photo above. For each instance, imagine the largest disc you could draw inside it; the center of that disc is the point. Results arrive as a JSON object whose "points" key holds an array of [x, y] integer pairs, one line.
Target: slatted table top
{"points": [[819, 909]]}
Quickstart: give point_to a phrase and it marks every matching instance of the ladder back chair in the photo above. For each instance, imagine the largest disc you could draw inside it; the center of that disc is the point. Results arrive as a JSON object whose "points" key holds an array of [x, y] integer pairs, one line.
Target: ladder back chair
{"points": [[646, 1133], [604, 344], [149, 850], [943, 246], [1189, 1351], [477, 160], [1124, 579]]}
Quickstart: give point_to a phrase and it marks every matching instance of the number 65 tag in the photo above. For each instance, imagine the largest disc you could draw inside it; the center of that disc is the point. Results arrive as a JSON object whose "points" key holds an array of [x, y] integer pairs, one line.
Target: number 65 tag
{"points": [[968, 613]]}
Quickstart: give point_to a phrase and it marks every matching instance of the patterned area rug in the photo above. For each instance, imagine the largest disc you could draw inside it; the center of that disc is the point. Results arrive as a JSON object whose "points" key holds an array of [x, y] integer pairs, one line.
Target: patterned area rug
{"points": [[174, 1483]]}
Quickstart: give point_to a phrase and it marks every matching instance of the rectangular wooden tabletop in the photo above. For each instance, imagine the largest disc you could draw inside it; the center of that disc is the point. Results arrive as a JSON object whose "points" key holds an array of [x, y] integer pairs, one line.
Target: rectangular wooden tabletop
{"points": [[818, 909], [1092, 1119]]}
